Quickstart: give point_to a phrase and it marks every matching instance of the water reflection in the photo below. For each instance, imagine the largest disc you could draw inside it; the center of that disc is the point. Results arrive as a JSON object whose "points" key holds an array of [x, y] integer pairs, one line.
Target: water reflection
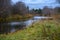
{"points": [[20, 25], [14, 26]]}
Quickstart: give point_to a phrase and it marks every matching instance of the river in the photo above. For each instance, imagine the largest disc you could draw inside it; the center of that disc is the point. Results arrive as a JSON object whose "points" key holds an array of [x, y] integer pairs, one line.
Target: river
{"points": [[14, 26]]}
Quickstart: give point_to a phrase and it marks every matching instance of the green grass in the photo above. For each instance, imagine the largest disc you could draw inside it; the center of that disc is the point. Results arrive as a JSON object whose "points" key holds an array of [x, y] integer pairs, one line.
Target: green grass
{"points": [[42, 30]]}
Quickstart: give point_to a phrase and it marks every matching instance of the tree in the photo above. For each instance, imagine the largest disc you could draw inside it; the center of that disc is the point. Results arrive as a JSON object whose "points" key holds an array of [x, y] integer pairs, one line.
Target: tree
{"points": [[20, 8], [58, 1], [40, 11], [36, 11], [46, 11], [5, 6], [5, 11], [58, 9]]}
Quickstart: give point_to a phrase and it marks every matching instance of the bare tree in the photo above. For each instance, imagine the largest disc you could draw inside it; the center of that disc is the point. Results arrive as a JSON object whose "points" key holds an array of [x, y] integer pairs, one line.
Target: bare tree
{"points": [[5, 11], [58, 1], [5, 6], [20, 8]]}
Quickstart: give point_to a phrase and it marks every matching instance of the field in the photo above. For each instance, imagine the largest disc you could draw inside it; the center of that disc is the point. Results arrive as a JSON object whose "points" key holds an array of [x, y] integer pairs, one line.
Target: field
{"points": [[41, 30]]}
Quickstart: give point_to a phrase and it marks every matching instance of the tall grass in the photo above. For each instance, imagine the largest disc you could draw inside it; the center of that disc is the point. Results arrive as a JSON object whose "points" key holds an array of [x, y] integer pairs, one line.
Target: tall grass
{"points": [[41, 30], [16, 18]]}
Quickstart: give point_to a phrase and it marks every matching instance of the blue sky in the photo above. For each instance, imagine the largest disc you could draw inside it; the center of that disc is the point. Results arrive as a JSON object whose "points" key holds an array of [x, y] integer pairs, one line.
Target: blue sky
{"points": [[39, 3]]}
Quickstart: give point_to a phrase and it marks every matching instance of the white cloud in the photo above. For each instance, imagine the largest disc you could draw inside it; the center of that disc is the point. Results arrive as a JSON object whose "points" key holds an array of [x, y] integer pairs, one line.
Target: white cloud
{"points": [[35, 1], [39, 1]]}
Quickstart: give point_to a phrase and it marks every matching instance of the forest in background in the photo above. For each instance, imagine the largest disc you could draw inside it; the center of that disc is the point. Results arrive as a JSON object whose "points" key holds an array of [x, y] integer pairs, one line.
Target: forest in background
{"points": [[15, 12]]}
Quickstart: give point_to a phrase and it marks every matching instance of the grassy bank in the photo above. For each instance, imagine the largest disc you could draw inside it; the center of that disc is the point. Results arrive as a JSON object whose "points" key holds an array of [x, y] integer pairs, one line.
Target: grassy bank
{"points": [[16, 18], [42, 30]]}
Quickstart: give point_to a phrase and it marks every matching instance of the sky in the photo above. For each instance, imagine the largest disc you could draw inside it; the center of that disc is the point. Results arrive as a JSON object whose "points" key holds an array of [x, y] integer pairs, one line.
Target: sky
{"points": [[39, 3]]}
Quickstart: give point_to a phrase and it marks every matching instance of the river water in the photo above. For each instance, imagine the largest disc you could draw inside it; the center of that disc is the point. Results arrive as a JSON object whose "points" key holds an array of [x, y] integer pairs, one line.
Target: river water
{"points": [[14, 26]]}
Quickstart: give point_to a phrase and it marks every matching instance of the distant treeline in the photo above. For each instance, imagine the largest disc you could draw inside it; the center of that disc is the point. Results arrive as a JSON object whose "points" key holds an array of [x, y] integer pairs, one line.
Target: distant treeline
{"points": [[8, 10]]}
